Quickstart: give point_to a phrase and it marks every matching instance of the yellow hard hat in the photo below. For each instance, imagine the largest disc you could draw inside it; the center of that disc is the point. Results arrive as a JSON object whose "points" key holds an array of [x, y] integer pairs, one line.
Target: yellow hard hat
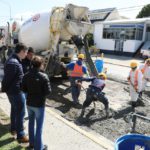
{"points": [[148, 60], [133, 64], [103, 75], [81, 56]]}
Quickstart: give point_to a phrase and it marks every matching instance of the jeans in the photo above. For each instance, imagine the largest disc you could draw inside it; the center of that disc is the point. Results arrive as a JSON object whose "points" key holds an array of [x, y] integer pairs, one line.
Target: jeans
{"points": [[36, 114], [17, 113], [93, 94], [75, 89]]}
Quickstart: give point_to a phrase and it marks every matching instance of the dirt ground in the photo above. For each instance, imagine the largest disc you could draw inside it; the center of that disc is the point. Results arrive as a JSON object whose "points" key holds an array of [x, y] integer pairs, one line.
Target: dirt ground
{"points": [[112, 127]]}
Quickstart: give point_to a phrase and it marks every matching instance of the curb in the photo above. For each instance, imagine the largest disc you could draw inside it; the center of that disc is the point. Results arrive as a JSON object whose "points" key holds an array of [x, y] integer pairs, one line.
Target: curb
{"points": [[116, 64], [100, 140]]}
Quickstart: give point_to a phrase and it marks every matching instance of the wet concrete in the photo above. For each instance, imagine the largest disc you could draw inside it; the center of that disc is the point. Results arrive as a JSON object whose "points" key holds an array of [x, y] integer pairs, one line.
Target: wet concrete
{"points": [[95, 119]]}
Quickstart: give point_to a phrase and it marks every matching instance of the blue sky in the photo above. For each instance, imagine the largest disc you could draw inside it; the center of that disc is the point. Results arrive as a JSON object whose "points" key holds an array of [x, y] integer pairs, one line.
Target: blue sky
{"points": [[25, 8]]}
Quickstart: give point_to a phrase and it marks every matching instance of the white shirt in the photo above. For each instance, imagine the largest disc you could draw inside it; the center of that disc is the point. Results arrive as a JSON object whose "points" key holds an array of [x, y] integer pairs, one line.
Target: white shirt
{"points": [[140, 77], [146, 72]]}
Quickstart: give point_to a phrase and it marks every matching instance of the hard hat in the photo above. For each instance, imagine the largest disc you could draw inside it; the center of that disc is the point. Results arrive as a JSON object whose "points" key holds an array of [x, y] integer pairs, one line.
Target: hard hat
{"points": [[148, 60], [103, 75], [81, 56], [133, 64]]}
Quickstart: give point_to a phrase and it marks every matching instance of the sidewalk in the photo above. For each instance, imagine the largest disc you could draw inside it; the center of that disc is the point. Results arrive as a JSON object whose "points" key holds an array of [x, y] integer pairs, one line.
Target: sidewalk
{"points": [[119, 60], [60, 134]]}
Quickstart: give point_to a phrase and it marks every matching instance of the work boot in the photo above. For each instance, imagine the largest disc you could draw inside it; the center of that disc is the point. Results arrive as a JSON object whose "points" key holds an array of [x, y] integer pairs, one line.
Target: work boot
{"points": [[140, 103], [45, 147], [13, 133], [76, 102], [30, 147], [82, 112], [134, 104], [107, 113], [24, 139]]}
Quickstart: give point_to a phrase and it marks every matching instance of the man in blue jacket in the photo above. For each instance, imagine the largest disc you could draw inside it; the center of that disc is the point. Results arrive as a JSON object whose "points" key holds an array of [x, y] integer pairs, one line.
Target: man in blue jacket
{"points": [[11, 84], [77, 70]]}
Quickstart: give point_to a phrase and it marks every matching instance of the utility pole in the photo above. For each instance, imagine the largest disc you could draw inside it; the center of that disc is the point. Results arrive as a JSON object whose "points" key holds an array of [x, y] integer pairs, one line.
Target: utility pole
{"points": [[8, 23], [9, 34]]}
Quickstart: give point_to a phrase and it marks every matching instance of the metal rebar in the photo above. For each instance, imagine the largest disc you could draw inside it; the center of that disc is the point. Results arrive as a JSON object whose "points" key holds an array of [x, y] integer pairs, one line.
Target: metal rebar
{"points": [[134, 123], [134, 118]]}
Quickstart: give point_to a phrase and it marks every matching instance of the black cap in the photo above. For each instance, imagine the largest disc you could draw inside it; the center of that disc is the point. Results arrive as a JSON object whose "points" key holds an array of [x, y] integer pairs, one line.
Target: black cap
{"points": [[30, 50], [19, 47]]}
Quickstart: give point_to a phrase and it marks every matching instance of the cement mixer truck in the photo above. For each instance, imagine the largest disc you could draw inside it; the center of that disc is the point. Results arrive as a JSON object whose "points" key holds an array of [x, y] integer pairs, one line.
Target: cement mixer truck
{"points": [[49, 33]]}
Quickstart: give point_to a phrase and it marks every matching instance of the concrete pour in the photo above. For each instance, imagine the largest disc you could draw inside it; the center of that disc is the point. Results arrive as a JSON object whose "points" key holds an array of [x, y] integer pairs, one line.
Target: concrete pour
{"points": [[119, 99]]}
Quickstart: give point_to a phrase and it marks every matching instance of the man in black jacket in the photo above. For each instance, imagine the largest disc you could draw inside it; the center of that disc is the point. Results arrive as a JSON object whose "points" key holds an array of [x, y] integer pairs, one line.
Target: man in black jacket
{"points": [[11, 84], [26, 63], [37, 86]]}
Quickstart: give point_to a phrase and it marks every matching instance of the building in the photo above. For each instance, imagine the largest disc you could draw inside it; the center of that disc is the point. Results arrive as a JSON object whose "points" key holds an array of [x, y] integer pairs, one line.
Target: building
{"points": [[122, 36], [100, 15], [116, 34]]}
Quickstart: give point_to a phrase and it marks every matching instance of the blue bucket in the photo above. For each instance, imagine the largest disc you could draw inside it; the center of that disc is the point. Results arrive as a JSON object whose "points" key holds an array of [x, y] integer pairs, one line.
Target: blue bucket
{"points": [[133, 142], [99, 65]]}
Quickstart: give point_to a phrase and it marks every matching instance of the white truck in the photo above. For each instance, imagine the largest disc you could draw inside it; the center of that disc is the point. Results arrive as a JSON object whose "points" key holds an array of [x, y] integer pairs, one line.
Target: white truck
{"points": [[50, 33]]}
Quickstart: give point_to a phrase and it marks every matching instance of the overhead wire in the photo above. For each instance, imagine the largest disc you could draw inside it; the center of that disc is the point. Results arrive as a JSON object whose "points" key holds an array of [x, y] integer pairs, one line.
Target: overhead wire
{"points": [[124, 9], [132, 8]]}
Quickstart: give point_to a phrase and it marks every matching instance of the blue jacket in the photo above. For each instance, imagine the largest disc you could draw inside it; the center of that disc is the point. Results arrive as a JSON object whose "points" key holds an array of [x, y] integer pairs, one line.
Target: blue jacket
{"points": [[71, 65], [26, 65], [95, 82], [13, 74]]}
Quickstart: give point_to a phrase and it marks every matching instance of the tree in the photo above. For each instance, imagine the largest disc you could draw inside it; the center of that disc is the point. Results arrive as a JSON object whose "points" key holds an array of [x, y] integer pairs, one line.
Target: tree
{"points": [[90, 39], [145, 12]]}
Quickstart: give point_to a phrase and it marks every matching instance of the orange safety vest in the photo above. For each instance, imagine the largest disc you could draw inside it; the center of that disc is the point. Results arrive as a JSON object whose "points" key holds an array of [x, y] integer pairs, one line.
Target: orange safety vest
{"points": [[77, 71], [135, 78], [143, 69]]}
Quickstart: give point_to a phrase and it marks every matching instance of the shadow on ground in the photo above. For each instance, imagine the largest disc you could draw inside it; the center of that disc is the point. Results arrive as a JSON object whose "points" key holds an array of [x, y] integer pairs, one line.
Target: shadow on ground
{"points": [[92, 117], [60, 102]]}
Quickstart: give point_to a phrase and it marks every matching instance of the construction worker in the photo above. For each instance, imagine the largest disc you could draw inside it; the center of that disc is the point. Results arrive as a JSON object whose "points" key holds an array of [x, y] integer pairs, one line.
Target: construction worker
{"points": [[66, 60], [77, 70], [145, 69], [135, 81], [94, 92]]}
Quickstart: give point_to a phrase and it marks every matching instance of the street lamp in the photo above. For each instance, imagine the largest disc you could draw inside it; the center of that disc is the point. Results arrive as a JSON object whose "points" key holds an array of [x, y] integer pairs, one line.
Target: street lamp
{"points": [[5, 2], [9, 34]]}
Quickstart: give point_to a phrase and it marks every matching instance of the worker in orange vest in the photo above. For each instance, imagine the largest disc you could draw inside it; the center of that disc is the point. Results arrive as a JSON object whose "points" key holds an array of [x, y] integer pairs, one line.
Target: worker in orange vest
{"points": [[145, 69], [135, 81], [77, 70]]}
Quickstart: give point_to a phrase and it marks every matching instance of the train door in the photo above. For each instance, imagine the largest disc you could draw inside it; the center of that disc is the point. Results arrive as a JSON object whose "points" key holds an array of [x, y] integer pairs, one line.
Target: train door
{"points": [[148, 33], [119, 43]]}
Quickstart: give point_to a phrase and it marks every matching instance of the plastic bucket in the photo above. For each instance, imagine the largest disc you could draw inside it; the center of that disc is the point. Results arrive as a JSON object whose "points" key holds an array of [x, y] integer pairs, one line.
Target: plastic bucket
{"points": [[99, 65], [133, 142]]}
